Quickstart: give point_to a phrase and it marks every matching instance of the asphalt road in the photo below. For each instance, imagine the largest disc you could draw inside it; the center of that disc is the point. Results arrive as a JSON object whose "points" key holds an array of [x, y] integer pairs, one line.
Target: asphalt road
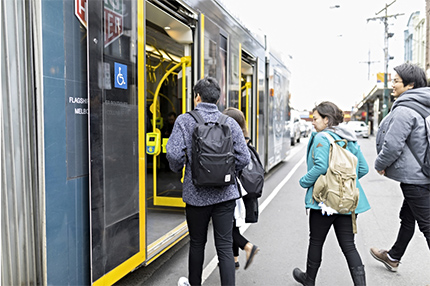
{"points": [[282, 236]]}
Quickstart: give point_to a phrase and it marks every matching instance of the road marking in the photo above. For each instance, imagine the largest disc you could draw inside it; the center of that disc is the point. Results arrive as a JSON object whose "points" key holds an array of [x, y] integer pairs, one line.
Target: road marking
{"points": [[207, 271]]}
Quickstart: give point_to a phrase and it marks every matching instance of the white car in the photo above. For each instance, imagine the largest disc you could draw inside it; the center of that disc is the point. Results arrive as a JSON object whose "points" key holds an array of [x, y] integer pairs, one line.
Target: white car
{"points": [[359, 127], [305, 128]]}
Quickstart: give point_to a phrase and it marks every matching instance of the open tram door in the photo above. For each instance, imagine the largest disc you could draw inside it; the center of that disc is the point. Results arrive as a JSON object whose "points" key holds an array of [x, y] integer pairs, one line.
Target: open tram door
{"points": [[168, 49], [248, 87], [168, 61], [117, 211], [127, 97]]}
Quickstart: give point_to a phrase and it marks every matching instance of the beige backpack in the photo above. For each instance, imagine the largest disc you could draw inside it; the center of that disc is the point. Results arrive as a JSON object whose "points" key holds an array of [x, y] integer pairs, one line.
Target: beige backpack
{"points": [[338, 187]]}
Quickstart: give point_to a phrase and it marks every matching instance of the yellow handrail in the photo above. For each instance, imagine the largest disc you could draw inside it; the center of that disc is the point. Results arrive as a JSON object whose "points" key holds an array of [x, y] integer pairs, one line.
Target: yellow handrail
{"points": [[165, 97], [185, 61], [247, 86]]}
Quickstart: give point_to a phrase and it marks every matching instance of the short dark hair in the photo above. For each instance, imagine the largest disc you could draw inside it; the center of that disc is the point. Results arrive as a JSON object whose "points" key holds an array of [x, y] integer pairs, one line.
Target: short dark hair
{"points": [[331, 111], [208, 89], [411, 74], [171, 113]]}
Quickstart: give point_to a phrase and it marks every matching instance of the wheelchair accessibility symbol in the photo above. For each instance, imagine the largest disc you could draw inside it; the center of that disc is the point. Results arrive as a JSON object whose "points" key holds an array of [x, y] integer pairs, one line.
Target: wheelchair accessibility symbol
{"points": [[120, 76]]}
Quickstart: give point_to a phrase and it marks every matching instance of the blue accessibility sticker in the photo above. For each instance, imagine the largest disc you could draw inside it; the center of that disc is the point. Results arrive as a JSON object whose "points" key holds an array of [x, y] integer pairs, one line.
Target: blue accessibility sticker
{"points": [[120, 76]]}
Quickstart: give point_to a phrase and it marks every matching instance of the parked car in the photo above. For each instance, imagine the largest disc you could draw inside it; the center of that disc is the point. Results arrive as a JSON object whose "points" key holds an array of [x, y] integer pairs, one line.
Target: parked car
{"points": [[305, 128], [359, 127], [294, 127]]}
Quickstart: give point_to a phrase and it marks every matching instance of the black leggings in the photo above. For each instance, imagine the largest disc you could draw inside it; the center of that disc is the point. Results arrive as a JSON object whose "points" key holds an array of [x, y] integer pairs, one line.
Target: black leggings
{"points": [[238, 240], [319, 227]]}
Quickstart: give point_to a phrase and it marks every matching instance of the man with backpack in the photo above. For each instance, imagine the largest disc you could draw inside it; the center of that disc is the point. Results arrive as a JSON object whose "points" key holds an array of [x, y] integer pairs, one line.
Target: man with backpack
{"points": [[207, 202], [402, 146]]}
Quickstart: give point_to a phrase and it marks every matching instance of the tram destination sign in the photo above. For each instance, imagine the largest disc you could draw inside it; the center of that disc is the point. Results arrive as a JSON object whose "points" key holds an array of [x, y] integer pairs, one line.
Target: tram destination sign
{"points": [[113, 20]]}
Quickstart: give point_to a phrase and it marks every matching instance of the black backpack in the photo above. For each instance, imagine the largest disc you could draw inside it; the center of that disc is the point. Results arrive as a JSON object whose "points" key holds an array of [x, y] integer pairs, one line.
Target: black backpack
{"points": [[425, 113], [252, 176], [213, 161]]}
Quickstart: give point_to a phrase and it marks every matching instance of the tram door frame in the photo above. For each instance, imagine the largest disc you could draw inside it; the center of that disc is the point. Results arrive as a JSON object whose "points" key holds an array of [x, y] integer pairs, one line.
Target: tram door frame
{"points": [[182, 34], [248, 90], [101, 78]]}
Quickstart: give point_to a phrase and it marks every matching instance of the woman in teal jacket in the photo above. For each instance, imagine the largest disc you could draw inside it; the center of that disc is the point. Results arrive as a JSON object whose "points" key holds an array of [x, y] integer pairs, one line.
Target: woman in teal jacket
{"points": [[326, 118]]}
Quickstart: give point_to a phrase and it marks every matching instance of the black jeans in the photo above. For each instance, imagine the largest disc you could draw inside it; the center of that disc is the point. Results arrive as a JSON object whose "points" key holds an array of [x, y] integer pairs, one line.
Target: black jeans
{"points": [[239, 241], [416, 207], [319, 227], [222, 215]]}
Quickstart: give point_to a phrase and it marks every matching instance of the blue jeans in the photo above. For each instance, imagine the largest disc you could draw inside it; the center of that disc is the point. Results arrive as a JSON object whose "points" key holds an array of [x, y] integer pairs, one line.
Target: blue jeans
{"points": [[320, 225], [416, 207], [222, 215]]}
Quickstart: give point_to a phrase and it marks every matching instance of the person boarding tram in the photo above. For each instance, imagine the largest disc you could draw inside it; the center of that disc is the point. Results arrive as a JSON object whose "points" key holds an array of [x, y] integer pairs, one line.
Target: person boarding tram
{"points": [[239, 241], [205, 203]]}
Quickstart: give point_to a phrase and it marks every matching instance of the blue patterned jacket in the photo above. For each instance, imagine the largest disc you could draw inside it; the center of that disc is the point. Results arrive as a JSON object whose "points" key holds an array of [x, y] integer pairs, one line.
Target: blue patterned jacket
{"points": [[179, 147]]}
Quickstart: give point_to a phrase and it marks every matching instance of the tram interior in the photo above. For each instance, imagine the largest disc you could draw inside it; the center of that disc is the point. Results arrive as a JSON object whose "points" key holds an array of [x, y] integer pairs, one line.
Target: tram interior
{"points": [[163, 53]]}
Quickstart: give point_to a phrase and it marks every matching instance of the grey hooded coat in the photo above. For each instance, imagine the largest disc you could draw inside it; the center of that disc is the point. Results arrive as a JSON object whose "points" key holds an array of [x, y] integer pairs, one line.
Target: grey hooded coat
{"points": [[403, 128]]}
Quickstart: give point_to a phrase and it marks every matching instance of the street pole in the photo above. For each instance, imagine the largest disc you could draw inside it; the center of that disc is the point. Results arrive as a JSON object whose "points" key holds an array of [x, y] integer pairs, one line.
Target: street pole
{"points": [[386, 59], [386, 96]]}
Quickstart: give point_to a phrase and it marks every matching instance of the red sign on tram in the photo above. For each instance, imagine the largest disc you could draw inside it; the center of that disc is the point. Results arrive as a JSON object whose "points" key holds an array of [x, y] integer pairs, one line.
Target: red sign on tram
{"points": [[113, 20], [80, 11]]}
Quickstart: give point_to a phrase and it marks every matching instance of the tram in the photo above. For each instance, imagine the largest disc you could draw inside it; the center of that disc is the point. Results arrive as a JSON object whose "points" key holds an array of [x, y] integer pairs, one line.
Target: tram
{"points": [[92, 90]]}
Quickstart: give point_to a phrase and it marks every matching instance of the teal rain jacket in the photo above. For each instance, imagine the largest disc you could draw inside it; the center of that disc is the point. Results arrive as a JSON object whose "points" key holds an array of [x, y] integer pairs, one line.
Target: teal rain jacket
{"points": [[317, 161]]}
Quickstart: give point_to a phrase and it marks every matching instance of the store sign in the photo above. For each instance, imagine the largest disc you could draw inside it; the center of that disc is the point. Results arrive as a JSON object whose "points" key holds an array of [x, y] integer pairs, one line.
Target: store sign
{"points": [[113, 20], [80, 11]]}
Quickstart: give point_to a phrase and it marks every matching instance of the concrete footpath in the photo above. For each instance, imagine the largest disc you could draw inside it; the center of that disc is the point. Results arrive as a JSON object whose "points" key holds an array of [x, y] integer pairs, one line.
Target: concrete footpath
{"points": [[282, 235]]}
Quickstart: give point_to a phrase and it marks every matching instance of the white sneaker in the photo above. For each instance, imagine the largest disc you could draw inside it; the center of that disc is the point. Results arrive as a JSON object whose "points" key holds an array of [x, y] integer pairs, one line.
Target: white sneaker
{"points": [[183, 281]]}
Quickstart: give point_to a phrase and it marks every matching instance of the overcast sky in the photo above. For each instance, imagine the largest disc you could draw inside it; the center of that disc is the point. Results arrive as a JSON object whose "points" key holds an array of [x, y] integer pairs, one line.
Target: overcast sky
{"points": [[329, 46]]}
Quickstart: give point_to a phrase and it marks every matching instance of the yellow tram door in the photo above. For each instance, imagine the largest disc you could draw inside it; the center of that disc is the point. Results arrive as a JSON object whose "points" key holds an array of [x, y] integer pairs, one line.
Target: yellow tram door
{"points": [[168, 63]]}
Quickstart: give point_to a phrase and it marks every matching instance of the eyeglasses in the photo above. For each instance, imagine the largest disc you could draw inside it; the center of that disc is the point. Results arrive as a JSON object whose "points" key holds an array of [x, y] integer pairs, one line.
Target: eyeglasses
{"points": [[394, 81]]}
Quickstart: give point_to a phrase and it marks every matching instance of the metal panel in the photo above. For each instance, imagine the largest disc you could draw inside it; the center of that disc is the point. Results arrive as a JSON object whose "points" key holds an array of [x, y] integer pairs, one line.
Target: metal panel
{"points": [[21, 262]]}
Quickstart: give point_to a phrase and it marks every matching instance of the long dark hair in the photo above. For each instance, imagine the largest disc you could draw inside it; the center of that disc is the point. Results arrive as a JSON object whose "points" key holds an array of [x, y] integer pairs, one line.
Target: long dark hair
{"points": [[237, 115]]}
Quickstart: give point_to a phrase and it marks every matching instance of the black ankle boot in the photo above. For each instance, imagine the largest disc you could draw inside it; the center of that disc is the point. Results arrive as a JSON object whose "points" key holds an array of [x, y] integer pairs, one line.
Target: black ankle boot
{"points": [[302, 278], [358, 275], [308, 278]]}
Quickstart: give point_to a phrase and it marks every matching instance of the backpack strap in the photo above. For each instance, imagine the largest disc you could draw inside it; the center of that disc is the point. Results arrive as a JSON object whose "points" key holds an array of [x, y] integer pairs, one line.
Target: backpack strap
{"points": [[332, 140], [329, 137], [252, 149], [424, 113], [415, 106], [197, 117], [222, 119]]}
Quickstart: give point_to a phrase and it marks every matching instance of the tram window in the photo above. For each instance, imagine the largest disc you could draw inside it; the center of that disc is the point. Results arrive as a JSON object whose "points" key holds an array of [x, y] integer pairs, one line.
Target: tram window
{"points": [[223, 77], [210, 58]]}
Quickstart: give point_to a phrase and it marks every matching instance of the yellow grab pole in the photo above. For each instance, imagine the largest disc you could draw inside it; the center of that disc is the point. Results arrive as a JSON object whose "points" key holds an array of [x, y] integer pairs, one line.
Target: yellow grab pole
{"points": [[184, 62]]}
